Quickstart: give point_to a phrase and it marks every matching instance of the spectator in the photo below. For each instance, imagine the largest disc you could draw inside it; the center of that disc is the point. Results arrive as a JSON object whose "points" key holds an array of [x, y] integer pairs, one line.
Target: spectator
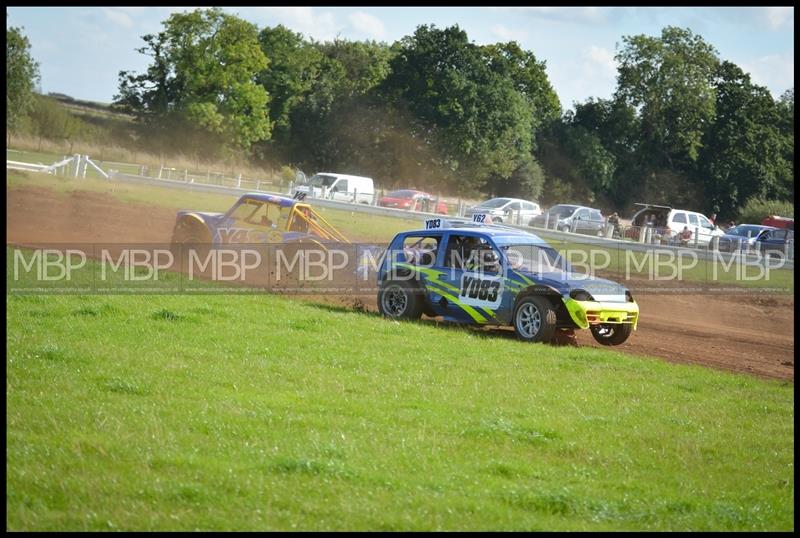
{"points": [[614, 221], [685, 236], [713, 219]]}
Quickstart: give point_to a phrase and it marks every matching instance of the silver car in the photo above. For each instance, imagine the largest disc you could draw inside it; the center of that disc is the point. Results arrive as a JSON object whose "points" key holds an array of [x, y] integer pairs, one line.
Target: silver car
{"points": [[509, 210], [571, 218]]}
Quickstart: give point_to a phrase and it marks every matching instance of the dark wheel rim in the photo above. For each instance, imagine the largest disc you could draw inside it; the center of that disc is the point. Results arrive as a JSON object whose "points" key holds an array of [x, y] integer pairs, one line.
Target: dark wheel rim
{"points": [[394, 300], [529, 320]]}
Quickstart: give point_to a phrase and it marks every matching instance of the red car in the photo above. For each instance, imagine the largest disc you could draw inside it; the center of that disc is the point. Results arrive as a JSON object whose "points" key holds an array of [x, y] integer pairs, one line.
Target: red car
{"points": [[779, 222], [413, 200]]}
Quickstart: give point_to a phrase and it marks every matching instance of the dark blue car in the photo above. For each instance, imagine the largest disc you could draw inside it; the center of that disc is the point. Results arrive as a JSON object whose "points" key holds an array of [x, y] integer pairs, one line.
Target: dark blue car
{"points": [[497, 275]]}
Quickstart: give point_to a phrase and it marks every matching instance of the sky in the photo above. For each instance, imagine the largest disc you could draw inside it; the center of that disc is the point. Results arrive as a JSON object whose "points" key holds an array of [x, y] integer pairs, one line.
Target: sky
{"points": [[82, 49]]}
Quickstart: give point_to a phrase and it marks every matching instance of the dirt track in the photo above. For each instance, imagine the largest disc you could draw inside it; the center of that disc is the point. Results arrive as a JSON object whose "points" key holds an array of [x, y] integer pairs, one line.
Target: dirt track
{"points": [[744, 333]]}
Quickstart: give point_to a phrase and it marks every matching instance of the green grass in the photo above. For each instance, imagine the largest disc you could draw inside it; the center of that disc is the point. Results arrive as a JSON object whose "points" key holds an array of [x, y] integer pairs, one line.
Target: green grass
{"points": [[258, 412]]}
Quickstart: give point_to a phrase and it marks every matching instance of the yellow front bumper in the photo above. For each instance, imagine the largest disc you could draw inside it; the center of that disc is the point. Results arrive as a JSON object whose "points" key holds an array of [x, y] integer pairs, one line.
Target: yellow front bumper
{"points": [[585, 313]]}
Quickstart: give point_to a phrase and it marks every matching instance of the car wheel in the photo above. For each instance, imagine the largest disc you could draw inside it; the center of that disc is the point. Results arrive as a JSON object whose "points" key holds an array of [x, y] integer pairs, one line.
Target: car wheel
{"points": [[188, 237], [611, 334], [565, 228], [535, 319], [400, 300], [497, 220]]}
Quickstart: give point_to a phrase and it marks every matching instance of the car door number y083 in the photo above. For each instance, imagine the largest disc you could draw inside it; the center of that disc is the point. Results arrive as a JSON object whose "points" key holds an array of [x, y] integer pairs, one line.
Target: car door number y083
{"points": [[478, 290]]}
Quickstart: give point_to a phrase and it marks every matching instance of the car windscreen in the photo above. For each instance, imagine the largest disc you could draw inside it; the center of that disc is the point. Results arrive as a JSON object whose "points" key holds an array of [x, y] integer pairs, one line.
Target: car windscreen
{"points": [[401, 194], [321, 180], [744, 231], [493, 203], [562, 211], [534, 258]]}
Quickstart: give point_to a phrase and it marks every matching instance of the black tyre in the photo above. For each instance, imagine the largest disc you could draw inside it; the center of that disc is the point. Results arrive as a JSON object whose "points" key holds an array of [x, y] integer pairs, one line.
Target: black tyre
{"points": [[399, 299], [535, 319], [188, 237], [565, 228], [611, 334]]}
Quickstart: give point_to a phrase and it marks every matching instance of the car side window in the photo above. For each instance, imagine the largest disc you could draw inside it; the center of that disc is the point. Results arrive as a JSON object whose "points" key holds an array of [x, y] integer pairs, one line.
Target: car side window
{"points": [[693, 219], [583, 214], [680, 218], [341, 186], [513, 206], [705, 223], [462, 250], [421, 250], [596, 215]]}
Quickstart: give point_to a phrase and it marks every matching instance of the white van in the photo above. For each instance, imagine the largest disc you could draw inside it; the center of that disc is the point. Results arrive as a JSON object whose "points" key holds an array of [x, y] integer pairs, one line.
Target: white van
{"points": [[343, 187]]}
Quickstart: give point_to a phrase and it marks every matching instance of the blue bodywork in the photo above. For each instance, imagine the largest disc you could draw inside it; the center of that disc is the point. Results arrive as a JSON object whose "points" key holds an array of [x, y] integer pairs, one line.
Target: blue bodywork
{"points": [[447, 291]]}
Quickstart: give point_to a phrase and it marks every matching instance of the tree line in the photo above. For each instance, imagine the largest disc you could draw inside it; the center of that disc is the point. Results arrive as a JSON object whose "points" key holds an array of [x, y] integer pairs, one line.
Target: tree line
{"points": [[438, 112]]}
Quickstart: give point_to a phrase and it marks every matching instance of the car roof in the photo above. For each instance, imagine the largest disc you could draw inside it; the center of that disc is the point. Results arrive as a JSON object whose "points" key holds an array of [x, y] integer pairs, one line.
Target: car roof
{"points": [[343, 176], [283, 201], [499, 234]]}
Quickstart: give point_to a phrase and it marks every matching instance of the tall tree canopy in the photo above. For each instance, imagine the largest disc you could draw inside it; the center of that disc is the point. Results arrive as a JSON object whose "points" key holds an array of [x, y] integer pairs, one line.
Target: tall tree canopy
{"points": [[22, 74], [670, 81], [202, 78], [475, 119]]}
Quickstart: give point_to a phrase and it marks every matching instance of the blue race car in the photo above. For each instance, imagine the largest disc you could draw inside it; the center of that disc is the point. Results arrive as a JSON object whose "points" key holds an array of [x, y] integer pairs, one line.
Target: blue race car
{"points": [[495, 275]]}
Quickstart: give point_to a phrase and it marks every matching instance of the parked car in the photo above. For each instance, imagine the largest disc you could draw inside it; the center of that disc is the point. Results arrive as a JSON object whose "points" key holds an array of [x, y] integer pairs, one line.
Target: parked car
{"points": [[342, 187], [742, 237], [668, 222], [506, 210], [775, 241], [779, 222], [571, 218], [413, 200]]}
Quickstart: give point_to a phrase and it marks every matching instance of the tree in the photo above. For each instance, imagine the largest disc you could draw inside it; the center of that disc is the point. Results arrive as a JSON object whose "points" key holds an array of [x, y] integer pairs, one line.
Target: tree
{"points": [[529, 78], [477, 124], [746, 153], [202, 83], [670, 81], [294, 66], [22, 74]]}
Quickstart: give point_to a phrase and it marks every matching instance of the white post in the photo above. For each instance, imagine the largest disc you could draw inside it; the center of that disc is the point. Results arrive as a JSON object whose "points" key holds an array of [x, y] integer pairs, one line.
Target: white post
{"points": [[696, 239], [160, 171], [258, 184], [239, 181], [715, 243], [186, 175], [355, 195], [546, 220]]}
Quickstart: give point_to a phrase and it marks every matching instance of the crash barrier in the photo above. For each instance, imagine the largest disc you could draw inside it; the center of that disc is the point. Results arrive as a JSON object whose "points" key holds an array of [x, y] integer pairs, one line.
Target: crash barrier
{"points": [[626, 236]]}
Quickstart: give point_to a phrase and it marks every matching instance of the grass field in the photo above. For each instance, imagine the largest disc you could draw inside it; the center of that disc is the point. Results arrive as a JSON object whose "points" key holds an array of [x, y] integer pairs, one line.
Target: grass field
{"points": [[257, 412]]}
